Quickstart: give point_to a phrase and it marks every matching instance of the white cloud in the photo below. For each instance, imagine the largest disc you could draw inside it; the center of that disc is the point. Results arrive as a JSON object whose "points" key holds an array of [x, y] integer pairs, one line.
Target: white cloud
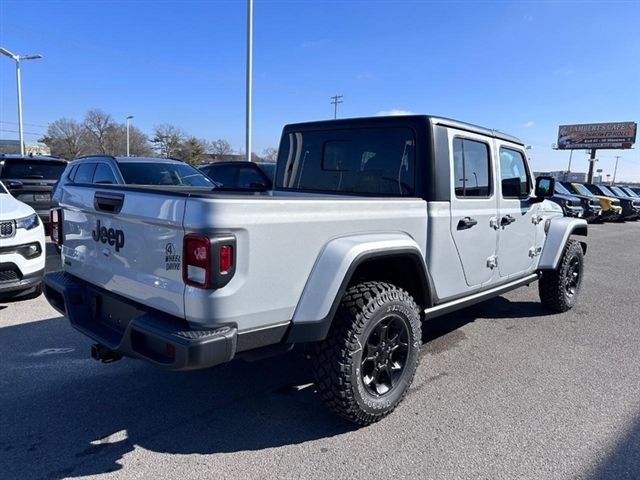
{"points": [[393, 112], [528, 124], [364, 76]]}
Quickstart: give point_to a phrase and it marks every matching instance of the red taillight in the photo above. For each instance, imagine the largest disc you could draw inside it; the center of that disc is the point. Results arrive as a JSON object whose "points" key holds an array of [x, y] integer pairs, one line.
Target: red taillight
{"points": [[226, 259], [55, 226], [196, 269]]}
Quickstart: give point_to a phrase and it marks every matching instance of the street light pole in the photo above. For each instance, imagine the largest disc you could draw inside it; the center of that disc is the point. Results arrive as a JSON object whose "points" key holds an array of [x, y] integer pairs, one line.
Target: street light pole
{"points": [[249, 75], [17, 58], [129, 117], [613, 182], [569, 167]]}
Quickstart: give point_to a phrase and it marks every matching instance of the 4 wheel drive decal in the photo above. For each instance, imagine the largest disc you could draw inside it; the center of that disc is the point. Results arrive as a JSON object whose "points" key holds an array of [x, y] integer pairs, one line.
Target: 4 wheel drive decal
{"points": [[108, 235], [171, 258]]}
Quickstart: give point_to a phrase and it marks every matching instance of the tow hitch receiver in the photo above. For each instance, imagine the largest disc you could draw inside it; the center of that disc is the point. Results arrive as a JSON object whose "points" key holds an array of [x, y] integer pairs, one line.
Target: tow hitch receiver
{"points": [[103, 354]]}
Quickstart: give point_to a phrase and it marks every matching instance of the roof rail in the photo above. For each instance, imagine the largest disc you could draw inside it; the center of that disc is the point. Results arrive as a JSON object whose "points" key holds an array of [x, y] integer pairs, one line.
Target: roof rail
{"points": [[96, 156]]}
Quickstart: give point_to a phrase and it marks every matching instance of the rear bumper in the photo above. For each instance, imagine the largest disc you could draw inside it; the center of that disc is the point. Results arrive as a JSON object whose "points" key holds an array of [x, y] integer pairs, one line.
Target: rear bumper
{"points": [[127, 328]]}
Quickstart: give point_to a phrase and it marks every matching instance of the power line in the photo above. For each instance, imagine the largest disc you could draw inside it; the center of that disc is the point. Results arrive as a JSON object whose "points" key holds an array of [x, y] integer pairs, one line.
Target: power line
{"points": [[27, 124]]}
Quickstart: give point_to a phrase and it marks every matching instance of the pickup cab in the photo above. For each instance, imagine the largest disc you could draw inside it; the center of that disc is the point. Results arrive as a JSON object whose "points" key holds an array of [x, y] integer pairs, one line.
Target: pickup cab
{"points": [[373, 226]]}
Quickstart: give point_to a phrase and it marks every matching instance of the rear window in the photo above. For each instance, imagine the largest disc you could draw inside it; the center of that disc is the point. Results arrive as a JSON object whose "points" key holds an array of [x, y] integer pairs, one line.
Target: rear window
{"points": [[36, 169], [148, 173], [373, 161]]}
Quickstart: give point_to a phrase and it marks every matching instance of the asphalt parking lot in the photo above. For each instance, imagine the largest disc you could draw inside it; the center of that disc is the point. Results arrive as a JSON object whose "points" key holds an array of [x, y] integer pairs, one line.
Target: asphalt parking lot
{"points": [[504, 390]]}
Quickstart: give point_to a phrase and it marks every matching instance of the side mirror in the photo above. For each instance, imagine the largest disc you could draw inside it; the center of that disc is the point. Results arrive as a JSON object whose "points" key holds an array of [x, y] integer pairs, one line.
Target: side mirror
{"points": [[545, 187]]}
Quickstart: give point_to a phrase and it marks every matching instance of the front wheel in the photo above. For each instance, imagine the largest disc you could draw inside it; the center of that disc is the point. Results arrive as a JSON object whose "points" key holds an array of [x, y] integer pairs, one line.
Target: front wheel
{"points": [[366, 364], [559, 288]]}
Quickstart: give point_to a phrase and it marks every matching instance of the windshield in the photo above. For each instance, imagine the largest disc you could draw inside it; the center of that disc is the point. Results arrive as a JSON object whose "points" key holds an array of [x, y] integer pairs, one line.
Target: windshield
{"points": [[162, 173], [619, 192], [630, 192], [562, 189], [32, 169], [606, 191], [582, 189]]}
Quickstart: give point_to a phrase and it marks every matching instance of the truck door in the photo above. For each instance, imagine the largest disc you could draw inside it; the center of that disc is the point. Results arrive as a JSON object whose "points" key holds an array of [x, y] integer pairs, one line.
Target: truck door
{"points": [[473, 205], [517, 230]]}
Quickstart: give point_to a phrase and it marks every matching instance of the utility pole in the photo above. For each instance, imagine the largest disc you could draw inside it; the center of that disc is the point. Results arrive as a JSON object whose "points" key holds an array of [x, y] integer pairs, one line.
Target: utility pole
{"points": [[335, 100], [592, 161], [613, 182]]}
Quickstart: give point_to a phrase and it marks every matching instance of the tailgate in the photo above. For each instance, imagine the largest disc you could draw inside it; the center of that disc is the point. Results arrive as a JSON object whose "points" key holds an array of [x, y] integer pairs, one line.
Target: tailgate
{"points": [[126, 241]]}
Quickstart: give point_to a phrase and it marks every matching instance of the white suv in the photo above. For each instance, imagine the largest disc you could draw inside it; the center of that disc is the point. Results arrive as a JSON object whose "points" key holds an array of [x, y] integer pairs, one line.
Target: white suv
{"points": [[22, 247]]}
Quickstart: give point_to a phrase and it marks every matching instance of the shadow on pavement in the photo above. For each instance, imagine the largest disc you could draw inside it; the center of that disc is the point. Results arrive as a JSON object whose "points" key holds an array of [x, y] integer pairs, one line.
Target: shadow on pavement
{"points": [[64, 415], [624, 461]]}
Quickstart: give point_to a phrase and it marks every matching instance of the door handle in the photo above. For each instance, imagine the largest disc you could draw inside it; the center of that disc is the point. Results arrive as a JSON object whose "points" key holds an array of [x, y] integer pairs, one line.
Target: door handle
{"points": [[506, 220], [466, 222]]}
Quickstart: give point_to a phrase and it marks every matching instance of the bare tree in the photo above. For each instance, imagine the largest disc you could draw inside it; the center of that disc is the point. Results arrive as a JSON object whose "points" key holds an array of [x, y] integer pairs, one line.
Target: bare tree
{"points": [[270, 154], [66, 138], [116, 141], [98, 125], [167, 140], [221, 147]]}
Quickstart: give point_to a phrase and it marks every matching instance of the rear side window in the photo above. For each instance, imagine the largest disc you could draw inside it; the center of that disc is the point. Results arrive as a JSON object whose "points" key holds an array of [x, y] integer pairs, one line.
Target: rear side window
{"points": [[374, 161], [163, 173], [84, 174], [514, 174], [472, 168], [104, 174]]}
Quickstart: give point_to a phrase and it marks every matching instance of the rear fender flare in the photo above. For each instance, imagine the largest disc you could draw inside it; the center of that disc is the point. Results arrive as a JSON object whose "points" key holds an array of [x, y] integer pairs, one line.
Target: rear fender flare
{"points": [[332, 273]]}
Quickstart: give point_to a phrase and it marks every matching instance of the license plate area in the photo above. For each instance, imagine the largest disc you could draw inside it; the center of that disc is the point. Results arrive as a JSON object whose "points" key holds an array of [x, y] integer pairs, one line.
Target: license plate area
{"points": [[112, 312]]}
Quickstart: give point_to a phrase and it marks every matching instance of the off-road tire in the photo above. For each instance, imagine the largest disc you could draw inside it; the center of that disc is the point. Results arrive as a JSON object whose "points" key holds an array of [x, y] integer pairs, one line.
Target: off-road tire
{"points": [[554, 285], [337, 361]]}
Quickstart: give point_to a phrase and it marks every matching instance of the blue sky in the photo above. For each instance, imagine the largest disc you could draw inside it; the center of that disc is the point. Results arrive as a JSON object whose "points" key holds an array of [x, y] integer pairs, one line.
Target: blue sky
{"points": [[521, 67]]}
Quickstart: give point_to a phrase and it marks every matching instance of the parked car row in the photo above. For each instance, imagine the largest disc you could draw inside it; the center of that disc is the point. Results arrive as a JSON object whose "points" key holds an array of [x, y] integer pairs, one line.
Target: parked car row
{"points": [[597, 203]]}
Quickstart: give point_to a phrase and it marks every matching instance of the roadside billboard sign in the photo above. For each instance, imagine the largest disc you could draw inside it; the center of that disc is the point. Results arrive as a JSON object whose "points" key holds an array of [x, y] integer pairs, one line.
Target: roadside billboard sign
{"points": [[618, 135]]}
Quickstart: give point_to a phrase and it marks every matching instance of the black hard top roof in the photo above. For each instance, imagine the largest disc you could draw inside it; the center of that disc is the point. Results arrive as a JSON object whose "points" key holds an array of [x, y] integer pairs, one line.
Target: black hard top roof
{"points": [[400, 120]]}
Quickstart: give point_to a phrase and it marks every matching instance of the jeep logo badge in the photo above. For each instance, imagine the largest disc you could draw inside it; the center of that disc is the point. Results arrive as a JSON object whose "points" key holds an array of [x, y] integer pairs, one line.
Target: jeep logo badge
{"points": [[108, 235]]}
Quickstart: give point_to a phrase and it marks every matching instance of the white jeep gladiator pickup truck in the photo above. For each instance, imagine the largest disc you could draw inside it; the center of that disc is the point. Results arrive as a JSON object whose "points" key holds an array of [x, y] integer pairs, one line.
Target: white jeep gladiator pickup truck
{"points": [[373, 226]]}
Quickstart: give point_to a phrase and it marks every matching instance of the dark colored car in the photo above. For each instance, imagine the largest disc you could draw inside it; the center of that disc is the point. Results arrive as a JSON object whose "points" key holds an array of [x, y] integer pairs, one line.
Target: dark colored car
{"points": [[631, 192], [269, 169], [592, 211], [630, 206], [571, 205], [237, 176], [108, 170], [31, 179]]}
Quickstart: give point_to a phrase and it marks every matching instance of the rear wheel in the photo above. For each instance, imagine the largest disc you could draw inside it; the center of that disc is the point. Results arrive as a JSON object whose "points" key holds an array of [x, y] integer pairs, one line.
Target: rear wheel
{"points": [[559, 288], [364, 367]]}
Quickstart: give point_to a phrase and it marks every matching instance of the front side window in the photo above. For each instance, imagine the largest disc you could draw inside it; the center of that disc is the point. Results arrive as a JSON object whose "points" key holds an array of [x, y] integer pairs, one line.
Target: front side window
{"points": [[513, 174], [371, 161], [471, 168]]}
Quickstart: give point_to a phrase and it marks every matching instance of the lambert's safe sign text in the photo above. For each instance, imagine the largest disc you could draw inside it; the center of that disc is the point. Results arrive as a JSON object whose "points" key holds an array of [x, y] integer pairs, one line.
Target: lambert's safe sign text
{"points": [[597, 135]]}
